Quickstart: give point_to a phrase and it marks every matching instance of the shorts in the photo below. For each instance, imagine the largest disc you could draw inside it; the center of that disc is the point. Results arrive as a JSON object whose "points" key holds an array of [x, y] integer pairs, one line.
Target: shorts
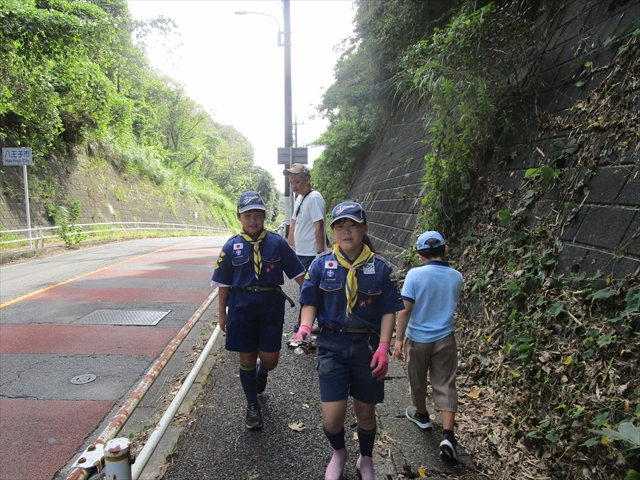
{"points": [[254, 321], [440, 360], [343, 365]]}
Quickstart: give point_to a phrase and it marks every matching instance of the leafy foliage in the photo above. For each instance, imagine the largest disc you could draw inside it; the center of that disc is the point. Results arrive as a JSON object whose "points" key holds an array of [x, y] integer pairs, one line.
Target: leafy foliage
{"points": [[466, 73], [73, 73], [359, 102]]}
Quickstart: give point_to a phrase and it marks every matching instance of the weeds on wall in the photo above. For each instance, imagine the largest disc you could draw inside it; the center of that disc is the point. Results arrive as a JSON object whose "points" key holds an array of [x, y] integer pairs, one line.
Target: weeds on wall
{"points": [[549, 362], [466, 73], [67, 218]]}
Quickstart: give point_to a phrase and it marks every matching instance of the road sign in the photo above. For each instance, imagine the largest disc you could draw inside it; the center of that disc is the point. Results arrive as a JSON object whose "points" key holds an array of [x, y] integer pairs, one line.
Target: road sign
{"points": [[16, 156], [291, 155]]}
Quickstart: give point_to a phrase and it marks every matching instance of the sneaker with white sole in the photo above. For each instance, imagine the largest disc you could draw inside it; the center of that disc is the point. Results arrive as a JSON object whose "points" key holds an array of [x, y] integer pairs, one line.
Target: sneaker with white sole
{"points": [[448, 447], [253, 419], [422, 420]]}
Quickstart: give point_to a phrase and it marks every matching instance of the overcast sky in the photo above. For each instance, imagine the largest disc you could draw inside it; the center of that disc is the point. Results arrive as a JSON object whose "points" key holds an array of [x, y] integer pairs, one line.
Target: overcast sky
{"points": [[232, 65]]}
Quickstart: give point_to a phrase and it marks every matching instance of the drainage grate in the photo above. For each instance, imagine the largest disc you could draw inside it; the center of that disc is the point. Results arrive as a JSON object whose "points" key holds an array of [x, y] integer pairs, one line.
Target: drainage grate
{"points": [[123, 317]]}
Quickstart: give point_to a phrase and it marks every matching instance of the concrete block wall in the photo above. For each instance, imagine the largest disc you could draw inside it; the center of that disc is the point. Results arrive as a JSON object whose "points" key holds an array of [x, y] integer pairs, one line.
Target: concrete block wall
{"points": [[605, 235], [389, 184]]}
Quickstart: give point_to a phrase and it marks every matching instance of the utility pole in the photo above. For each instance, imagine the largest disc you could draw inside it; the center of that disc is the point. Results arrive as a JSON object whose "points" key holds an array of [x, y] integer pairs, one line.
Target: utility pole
{"points": [[288, 109]]}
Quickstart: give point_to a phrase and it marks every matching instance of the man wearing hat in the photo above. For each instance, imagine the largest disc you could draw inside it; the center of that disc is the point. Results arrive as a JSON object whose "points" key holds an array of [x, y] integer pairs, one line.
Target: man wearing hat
{"points": [[307, 235]]}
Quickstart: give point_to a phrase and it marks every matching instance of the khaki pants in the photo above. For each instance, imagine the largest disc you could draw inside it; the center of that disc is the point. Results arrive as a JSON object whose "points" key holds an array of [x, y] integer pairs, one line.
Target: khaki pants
{"points": [[438, 359]]}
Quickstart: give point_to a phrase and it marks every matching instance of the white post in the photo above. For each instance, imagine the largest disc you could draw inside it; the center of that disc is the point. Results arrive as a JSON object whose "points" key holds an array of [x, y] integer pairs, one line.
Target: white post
{"points": [[117, 459], [26, 202]]}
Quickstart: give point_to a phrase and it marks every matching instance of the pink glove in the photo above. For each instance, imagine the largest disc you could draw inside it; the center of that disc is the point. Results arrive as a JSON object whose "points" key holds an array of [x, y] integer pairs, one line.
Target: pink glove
{"points": [[380, 359], [302, 335]]}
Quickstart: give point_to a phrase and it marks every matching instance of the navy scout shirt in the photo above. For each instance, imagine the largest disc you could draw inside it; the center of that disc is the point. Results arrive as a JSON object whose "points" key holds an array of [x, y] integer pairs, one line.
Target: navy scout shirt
{"points": [[324, 287], [235, 262]]}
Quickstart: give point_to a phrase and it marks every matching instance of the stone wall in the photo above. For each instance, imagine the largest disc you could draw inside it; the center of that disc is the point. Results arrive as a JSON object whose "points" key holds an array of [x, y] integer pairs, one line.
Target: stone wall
{"points": [[605, 234]]}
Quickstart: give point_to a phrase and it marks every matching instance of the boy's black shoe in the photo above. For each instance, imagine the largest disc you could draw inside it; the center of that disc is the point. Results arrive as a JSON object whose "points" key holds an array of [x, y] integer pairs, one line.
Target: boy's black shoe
{"points": [[254, 418], [448, 447], [422, 420]]}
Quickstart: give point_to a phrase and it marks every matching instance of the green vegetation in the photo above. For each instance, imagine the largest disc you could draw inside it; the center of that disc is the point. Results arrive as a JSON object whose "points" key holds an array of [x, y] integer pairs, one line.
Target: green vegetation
{"points": [[360, 102], [550, 361], [76, 83], [467, 73]]}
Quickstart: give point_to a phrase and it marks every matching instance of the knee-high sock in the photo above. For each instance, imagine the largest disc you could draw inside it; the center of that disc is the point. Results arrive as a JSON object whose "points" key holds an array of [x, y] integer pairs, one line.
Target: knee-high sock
{"points": [[262, 372], [366, 439], [335, 439], [248, 381]]}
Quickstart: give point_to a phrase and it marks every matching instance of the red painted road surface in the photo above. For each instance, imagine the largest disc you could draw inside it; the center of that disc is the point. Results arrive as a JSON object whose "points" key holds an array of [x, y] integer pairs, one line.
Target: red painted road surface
{"points": [[39, 436]]}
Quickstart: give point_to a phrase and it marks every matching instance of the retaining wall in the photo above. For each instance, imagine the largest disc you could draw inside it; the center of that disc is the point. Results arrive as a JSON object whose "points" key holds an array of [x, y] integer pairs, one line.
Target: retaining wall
{"points": [[605, 234]]}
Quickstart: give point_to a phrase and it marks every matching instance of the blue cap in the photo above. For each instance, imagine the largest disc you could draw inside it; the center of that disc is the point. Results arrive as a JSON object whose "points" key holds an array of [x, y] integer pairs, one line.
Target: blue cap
{"points": [[429, 239], [351, 210], [250, 201]]}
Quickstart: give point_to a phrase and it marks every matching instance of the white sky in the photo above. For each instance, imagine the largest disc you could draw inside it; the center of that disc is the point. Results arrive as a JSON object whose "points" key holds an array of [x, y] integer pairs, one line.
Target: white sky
{"points": [[232, 65]]}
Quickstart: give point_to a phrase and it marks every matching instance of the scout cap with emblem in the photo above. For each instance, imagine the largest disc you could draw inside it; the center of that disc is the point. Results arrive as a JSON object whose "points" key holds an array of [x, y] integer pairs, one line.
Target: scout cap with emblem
{"points": [[429, 239], [351, 210], [250, 200]]}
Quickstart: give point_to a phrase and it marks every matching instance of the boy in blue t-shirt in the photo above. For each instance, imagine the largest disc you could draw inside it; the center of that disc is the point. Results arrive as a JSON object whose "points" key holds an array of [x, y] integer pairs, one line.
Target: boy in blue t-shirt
{"points": [[430, 294], [248, 275]]}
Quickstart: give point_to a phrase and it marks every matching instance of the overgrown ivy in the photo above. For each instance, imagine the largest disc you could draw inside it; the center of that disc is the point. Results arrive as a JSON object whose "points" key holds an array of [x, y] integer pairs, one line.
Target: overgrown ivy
{"points": [[467, 73], [360, 102]]}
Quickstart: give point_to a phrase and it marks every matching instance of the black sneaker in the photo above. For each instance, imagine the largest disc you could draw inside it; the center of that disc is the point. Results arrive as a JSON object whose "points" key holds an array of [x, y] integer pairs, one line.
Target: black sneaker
{"points": [[422, 420], [448, 447], [254, 418]]}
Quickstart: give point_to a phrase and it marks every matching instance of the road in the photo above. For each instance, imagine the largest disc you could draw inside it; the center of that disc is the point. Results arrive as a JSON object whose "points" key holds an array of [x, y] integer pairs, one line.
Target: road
{"points": [[60, 321]]}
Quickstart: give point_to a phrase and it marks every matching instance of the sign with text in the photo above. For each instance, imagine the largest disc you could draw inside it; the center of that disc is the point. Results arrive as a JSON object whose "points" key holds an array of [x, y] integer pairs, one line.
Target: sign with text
{"points": [[291, 155], [16, 156]]}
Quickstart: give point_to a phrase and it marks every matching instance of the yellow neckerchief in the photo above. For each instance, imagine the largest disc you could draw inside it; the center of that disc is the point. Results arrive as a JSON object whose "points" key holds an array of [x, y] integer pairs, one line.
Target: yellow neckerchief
{"points": [[257, 258], [352, 282]]}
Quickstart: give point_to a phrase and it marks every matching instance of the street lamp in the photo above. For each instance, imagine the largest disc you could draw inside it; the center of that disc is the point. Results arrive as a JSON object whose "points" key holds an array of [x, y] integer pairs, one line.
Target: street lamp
{"points": [[284, 40], [280, 31]]}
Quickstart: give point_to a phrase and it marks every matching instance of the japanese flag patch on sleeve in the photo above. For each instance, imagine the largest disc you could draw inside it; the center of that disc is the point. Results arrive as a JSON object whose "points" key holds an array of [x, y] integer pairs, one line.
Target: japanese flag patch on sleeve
{"points": [[330, 264]]}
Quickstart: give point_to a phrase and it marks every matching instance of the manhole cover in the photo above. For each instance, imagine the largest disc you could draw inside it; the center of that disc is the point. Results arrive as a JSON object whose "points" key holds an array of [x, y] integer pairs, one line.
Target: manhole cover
{"points": [[123, 317], [82, 379]]}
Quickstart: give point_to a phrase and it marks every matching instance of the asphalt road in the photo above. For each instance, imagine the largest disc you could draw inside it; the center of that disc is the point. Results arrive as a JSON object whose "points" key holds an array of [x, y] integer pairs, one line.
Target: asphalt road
{"points": [[48, 338]]}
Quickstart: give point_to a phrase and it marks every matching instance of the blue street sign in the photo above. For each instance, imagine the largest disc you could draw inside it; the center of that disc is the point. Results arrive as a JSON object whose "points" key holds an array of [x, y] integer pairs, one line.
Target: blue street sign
{"points": [[16, 156]]}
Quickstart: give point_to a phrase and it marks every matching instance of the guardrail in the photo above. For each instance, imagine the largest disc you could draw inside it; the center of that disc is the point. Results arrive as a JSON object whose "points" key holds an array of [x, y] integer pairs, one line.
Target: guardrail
{"points": [[27, 237]]}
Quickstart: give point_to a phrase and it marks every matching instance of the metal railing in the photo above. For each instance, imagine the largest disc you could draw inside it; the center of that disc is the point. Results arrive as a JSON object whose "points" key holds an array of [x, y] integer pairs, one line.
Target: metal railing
{"points": [[27, 237]]}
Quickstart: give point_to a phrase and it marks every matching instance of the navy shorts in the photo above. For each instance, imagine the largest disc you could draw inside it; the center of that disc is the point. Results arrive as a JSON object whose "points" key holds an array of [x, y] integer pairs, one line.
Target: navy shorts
{"points": [[254, 321], [343, 364]]}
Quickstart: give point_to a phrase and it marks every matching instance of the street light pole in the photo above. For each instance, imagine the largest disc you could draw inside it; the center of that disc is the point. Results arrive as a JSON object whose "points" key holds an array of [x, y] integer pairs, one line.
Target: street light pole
{"points": [[284, 40], [288, 111]]}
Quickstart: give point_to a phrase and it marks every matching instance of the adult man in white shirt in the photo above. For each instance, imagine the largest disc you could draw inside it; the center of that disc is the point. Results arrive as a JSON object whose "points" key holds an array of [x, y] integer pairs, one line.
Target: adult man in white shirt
{"points": [[307, 235]]}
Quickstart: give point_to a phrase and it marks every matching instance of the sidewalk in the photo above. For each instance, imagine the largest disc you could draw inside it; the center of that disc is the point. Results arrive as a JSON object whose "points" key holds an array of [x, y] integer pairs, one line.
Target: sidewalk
{"points": [[216, 444]]}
